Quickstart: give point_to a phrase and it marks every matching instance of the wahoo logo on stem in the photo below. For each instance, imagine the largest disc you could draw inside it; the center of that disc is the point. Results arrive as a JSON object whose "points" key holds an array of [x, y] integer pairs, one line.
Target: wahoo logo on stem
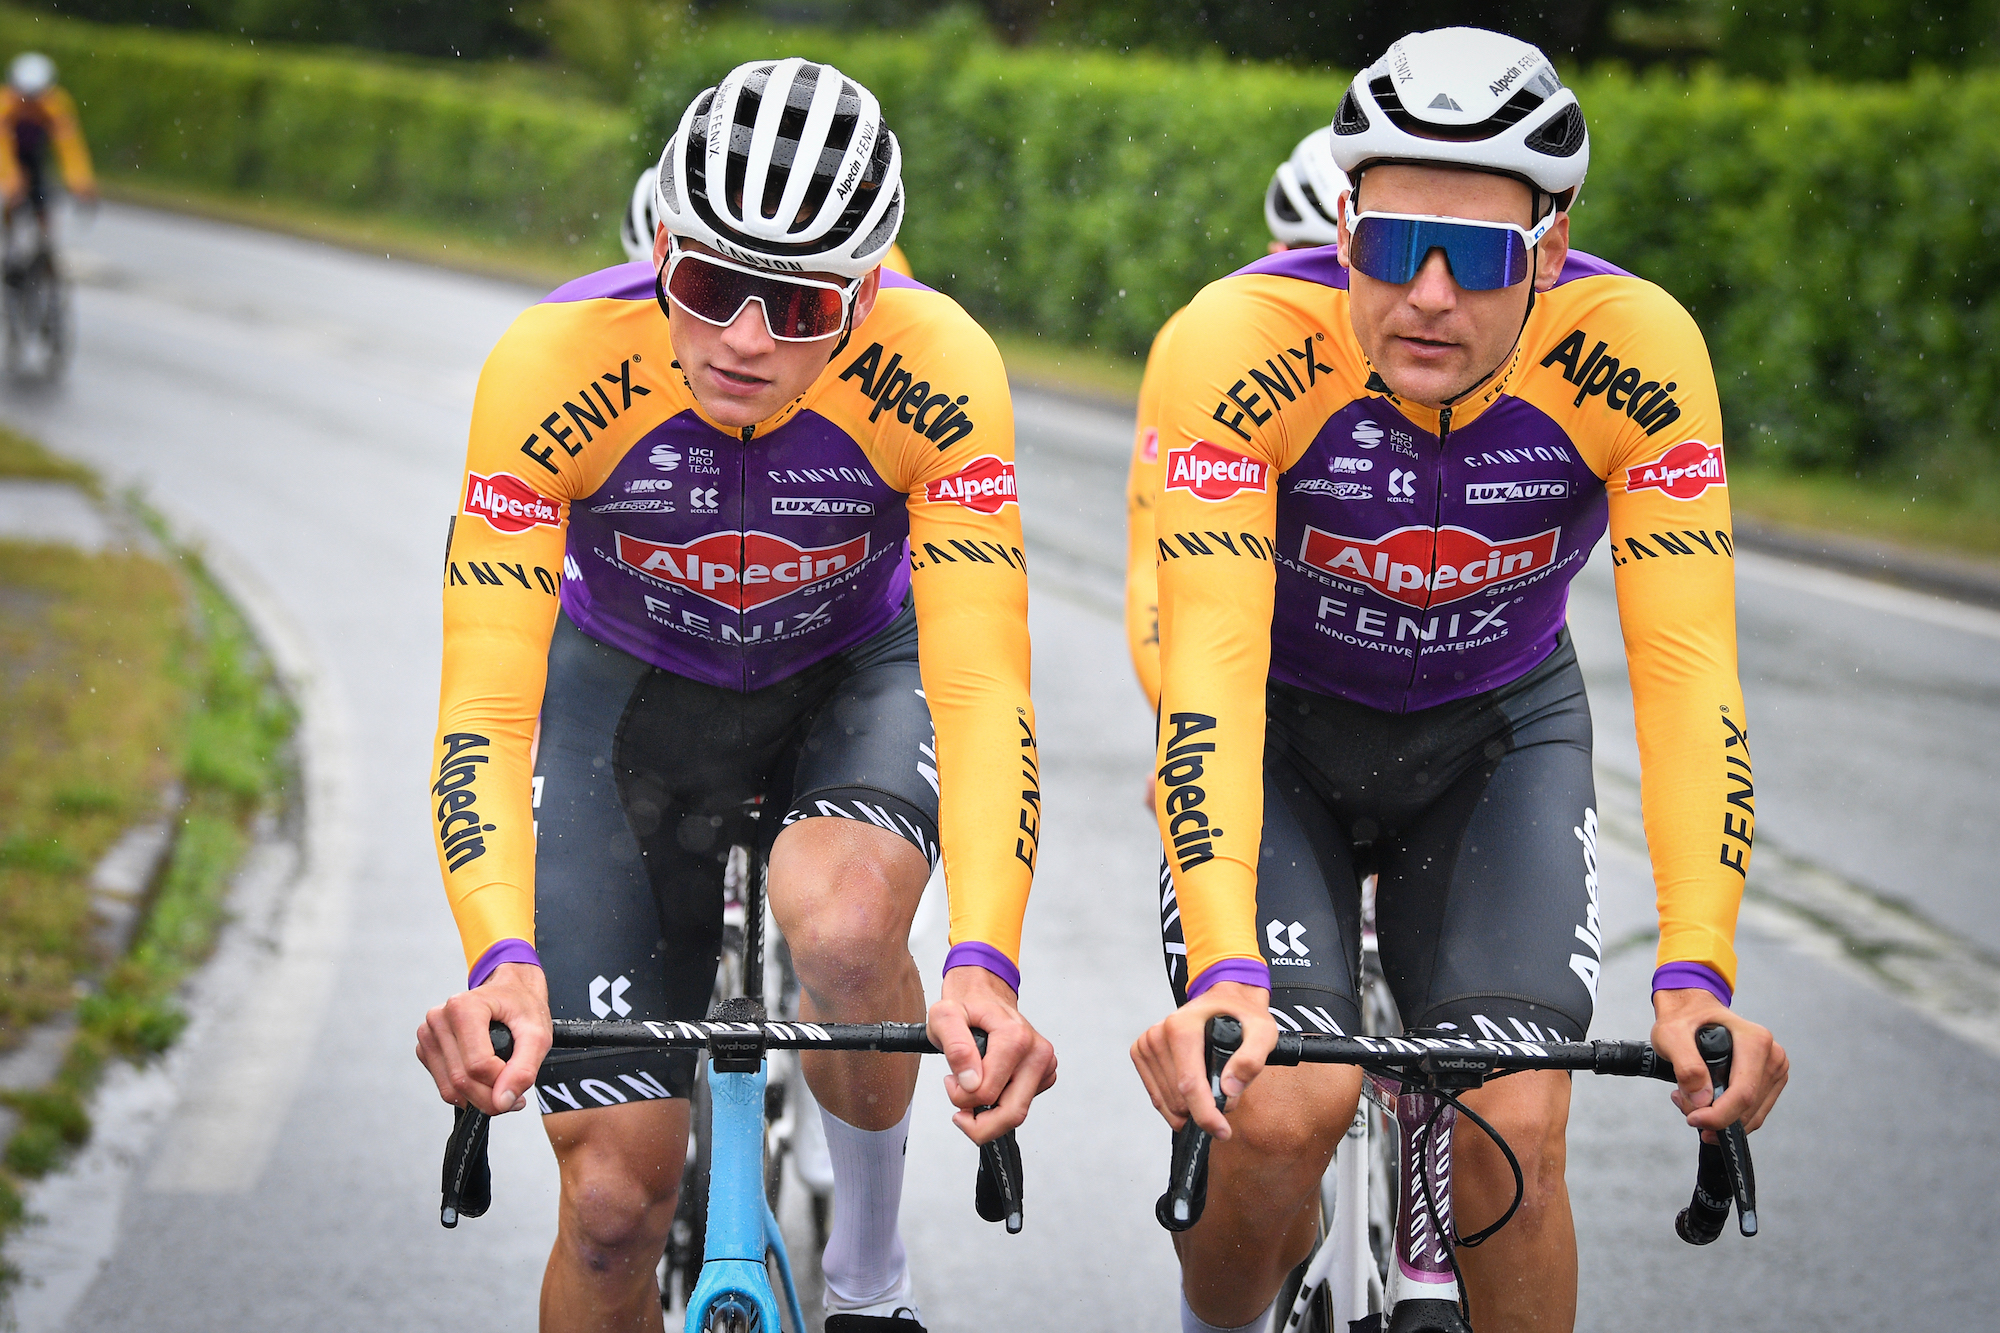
{"points": [[1421, 566], [1210, 472], [740, 570]]}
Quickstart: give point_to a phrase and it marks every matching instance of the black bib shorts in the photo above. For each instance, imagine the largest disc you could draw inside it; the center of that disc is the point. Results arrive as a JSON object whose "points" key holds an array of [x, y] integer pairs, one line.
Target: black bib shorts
{"points": [[643, 782], [1478, 816]]}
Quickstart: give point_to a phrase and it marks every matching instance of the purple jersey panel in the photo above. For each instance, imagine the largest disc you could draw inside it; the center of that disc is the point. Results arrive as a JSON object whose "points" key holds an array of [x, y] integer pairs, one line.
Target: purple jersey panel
{"points": [[1411, 572], [620, 282], [738, 565]]}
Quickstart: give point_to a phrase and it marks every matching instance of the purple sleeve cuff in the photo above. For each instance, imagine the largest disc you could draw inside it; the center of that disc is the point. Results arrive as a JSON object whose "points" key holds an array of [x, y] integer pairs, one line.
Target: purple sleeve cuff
{"points": [[1691, 976], [1248, 971], [506, 951], [974, 954]]}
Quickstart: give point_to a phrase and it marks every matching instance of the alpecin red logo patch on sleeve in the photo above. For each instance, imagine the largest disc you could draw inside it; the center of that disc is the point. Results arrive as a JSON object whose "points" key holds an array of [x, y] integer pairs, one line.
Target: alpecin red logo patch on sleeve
{"points": [[1211, 472], [1683, 472], [984, 485], [509, 504]]}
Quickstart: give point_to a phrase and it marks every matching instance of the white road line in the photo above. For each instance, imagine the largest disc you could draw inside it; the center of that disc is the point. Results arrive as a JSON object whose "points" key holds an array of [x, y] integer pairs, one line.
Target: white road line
{"points": [[1868, 594]]}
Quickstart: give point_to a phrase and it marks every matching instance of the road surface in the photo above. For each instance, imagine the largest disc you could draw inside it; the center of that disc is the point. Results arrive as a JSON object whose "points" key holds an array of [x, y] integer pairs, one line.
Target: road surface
{"points": [[301, 411]]}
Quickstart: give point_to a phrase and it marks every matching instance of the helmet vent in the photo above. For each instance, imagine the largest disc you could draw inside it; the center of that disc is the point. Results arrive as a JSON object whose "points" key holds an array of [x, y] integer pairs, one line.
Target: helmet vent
{"points": [[1350, 119], [1318, 204], [885, 230], [1282, 206], [1562, 136]]}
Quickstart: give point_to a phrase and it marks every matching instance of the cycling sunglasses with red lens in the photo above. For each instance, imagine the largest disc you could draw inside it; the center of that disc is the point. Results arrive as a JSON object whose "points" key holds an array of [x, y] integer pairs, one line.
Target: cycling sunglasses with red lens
{"points": [[1484, 256], [715, 290]]}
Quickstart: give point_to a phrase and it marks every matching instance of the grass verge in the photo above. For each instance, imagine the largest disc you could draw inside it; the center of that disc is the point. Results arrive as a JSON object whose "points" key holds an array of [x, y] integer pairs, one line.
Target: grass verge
{"points": [[1960, 522], [121, 675]]}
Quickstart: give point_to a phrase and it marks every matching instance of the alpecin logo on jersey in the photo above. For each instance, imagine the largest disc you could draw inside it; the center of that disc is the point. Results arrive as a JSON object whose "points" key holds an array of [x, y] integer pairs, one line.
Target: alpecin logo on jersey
{"points": [[508, 503], [984, 485], [1213, 473], [1419, 566], [740, 570], [1683, 472]]}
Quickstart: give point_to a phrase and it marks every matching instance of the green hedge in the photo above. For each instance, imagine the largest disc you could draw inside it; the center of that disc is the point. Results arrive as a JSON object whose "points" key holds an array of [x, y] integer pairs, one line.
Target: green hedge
{"points": [[1836, 242], [337, 128]]}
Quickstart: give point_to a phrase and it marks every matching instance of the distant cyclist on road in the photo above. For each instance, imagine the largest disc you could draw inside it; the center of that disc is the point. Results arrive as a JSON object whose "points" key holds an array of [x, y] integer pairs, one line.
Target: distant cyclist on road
{"points": [[751, 572], [642, 222], [1299, 209], [1380, 471], [43, 136]]}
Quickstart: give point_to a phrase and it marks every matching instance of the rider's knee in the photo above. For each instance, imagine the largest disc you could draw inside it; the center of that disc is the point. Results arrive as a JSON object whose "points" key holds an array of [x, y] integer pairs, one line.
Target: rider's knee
{"points": [[611, 1215], [1535, 1124], [856, 925], [1295, 1117]]}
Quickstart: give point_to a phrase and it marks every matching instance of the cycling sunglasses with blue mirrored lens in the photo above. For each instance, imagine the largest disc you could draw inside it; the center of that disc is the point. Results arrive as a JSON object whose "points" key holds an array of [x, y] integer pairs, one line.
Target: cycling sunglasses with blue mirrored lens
{"points": [[1484, 256], [796, 309]]}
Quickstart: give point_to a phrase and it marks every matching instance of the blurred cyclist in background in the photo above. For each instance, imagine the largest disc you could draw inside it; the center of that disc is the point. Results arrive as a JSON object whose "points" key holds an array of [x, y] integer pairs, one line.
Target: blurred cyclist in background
{"points": [[1299, 208], [642, 220], [39, 120]]}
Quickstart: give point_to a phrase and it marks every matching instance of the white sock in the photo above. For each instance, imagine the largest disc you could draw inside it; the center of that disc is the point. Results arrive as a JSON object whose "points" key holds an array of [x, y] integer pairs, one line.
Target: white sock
{"points": [[1192, 1322], [865, 1263]]}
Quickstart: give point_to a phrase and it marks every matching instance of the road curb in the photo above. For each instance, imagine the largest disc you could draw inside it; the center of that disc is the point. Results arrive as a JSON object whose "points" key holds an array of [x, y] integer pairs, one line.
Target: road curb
{"points": [[1924, 571]]}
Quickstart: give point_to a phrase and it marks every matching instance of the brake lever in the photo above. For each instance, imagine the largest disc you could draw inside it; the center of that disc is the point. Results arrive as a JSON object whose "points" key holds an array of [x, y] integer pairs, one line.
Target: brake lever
{"points": [[468, 1176], [1187, 1177], [1724, 1174], [996, 1195]]}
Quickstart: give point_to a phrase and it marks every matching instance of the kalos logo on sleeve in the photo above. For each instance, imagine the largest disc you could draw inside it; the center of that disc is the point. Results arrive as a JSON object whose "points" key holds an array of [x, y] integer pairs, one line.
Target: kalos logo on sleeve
{"points": [[740, 570], [1409, 567], [1212, 472], [1683, 472], [983, 485], [508, 503]]}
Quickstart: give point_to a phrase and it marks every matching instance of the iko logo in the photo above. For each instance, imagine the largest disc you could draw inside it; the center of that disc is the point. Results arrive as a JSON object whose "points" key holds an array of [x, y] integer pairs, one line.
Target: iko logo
{"points": [[1339, 490], [599, 986], [702, 501], [1402, 484], [1511, 492], [1286, 940], [665, 457], [644, 484], [1350, 465], [1367, 434]]}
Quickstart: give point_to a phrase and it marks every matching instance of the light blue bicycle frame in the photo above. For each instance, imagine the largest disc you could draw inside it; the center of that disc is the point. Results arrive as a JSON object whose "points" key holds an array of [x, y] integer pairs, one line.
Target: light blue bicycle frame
{"points": [[741, 1227]]}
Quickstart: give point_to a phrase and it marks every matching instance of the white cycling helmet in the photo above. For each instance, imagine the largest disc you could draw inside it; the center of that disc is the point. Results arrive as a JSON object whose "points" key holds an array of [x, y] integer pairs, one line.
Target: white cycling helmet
{"points": [[1299, 207], [1465, 97], [642, 218], [785, 165], [31, 74]]}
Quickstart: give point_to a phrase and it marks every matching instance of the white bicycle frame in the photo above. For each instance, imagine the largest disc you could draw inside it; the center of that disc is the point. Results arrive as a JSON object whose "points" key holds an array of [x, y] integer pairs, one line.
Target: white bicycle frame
{"points": [[1356, 1195]]}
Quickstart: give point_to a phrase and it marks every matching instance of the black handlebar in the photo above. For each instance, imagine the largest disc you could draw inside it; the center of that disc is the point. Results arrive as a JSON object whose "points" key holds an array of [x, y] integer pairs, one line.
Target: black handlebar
{"points": [[1442, 1060], [1187, 1179], [1724, 1175], [468, 1178]]}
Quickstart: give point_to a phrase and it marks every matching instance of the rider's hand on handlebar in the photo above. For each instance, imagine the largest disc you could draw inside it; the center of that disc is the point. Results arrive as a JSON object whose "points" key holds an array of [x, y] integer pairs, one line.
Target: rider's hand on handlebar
{"points": [[1019, 1064], [1173, 1063], [455, 1047], [1757, 1073]]}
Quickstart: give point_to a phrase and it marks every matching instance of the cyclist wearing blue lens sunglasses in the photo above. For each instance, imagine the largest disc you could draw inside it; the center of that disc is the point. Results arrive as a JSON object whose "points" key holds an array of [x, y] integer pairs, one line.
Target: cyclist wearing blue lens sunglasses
{"points": [[1378, 474]]}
